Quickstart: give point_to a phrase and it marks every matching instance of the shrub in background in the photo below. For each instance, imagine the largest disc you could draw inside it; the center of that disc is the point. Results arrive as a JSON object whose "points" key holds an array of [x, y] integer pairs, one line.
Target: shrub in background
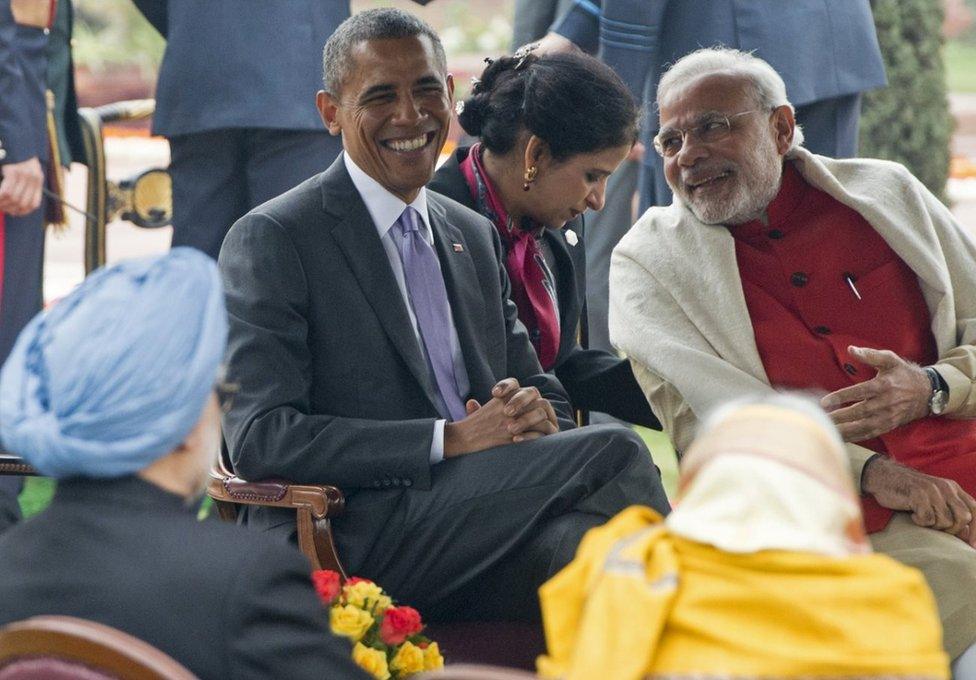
{"points": [[909, 120]]}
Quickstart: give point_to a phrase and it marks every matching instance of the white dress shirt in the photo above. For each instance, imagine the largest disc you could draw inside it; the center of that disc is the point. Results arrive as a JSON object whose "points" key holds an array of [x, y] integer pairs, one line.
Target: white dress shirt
{"points": [[385, 209]]}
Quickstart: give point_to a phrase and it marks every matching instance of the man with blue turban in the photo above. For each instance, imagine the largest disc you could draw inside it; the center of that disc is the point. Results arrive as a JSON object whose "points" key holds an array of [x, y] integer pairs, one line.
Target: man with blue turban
{"points": [[112, 392]]}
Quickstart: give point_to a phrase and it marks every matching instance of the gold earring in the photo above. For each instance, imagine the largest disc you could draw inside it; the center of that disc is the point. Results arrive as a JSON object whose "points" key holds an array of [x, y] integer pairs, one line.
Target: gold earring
{"points": [[530, 175]]}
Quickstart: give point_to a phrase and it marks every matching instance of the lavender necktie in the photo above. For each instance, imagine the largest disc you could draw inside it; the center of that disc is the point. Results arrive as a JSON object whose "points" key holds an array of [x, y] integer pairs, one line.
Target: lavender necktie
{"points": [[428, 296]]}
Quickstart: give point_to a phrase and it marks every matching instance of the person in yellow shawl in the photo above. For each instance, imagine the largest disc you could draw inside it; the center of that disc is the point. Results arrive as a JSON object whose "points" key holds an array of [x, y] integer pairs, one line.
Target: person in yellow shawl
{"points": [[763, 569]]}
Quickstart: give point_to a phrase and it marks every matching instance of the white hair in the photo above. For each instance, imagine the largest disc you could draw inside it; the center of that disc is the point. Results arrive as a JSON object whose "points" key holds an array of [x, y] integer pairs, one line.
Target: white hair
{"points": [[798, 402], [768, 87]]}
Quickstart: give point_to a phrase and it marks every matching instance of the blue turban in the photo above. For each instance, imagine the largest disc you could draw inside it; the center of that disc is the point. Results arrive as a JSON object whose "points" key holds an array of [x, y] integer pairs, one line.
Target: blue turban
{"points": [[117, 373]]}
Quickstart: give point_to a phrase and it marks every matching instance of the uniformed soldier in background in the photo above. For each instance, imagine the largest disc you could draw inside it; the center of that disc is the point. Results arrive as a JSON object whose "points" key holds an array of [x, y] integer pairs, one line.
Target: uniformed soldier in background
{"points": [[39, 136]]}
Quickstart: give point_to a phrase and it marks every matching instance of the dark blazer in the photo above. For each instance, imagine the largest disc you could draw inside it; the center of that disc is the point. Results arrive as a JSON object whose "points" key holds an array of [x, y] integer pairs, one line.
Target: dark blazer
{"points": [[230, 64], [595, 380], [334, 384], [223, 601]]}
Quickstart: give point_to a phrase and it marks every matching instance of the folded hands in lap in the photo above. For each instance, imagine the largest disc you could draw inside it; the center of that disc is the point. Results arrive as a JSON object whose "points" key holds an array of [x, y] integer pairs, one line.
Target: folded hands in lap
{"points": [[513, 414], [932, 501]]}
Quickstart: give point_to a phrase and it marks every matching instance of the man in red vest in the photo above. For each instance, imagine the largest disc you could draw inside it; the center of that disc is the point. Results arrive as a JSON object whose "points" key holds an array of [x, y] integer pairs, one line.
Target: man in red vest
{"points": [[778, 269]]}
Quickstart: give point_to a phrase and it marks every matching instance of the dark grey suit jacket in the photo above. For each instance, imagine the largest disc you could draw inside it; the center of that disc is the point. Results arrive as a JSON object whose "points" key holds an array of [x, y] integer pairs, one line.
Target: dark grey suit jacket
{"points": [[594, 379], [223, 601], [334, 385]]}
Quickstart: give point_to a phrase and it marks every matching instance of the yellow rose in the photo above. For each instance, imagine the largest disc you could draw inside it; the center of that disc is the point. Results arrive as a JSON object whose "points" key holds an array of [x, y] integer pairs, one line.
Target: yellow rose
{"points": [[373, 661], [432, 657], [350, 621], [367, 595], [409, 659]]}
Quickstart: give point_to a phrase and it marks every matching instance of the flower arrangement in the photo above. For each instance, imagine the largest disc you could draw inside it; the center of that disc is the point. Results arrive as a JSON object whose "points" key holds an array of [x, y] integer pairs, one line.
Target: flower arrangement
{"points": [[386, 639]]}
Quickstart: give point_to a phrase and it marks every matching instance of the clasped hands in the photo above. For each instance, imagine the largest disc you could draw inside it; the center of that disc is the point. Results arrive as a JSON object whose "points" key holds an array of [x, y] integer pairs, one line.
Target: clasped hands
{"points": [[513, 414]]}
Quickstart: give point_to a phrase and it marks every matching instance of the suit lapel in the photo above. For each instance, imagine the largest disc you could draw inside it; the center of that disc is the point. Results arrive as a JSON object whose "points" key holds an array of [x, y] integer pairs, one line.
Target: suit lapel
{"points": [[464, 293], [564, 272], [360, 243]]}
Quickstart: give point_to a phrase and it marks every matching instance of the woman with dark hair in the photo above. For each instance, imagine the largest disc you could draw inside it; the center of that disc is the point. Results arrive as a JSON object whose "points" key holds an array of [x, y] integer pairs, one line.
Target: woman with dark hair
{"points": [[552, 129]]}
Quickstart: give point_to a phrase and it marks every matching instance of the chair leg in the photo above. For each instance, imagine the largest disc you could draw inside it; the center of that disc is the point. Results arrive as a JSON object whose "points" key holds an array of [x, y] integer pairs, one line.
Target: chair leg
{"points": [[226, 511], [325, 547], [306, 537]]}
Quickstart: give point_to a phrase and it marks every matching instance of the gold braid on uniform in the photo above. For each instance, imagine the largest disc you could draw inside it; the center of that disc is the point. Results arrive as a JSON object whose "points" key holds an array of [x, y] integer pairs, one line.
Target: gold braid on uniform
{"points": [[54, 212]]}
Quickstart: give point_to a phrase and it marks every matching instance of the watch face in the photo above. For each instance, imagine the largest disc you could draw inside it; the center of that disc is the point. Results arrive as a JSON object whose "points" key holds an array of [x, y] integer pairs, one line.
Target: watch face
{"points": [[938, 402]]}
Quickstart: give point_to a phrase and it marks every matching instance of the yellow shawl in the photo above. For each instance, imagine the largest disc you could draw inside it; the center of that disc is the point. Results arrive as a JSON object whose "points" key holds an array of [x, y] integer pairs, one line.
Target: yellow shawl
{"points": [[640, 601]]}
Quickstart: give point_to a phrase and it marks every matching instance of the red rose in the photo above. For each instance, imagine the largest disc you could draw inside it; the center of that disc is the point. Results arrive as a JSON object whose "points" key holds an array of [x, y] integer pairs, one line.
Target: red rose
{"points": [[327, 584], [399, 623]]}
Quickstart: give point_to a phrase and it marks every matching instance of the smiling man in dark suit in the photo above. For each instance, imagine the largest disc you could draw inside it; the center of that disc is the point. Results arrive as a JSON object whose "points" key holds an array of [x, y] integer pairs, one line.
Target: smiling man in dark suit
{"points": [[376, 349]]}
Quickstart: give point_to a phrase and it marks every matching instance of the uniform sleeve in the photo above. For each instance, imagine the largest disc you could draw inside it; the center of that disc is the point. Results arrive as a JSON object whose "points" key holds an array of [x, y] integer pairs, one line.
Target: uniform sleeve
{"points": [[275, 626], [21, 91], [581, 24], [626, 35]]}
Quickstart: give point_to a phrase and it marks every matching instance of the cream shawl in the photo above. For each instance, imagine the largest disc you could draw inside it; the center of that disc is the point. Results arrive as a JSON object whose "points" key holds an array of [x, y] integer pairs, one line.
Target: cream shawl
{"points": [[677, 309]]}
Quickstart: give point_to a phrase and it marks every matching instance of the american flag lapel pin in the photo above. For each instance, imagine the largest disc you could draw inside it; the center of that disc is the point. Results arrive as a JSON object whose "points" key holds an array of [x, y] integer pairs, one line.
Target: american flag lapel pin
{"points": [[458, 248]]}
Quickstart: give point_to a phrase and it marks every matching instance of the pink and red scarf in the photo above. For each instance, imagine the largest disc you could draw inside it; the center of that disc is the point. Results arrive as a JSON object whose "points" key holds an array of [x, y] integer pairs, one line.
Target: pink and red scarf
{"points": [[523, 261]]}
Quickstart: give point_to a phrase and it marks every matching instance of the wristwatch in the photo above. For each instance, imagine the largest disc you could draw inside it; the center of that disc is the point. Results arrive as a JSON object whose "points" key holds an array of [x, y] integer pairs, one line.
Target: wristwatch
{"points": [[940, 392]]}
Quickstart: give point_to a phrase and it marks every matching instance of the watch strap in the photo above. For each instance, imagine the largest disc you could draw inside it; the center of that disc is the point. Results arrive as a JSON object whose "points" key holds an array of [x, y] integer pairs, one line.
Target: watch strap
{"points": [[936, 380]]}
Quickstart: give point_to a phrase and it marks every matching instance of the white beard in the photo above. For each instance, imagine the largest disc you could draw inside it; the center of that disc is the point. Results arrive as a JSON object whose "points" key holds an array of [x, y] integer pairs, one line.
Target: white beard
{"points": [[757, 180]]}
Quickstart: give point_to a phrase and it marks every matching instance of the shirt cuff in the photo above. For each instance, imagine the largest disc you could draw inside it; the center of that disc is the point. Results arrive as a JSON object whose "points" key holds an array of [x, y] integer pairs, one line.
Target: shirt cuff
{"points": [[581, 24], [437, 443], [959, 386]]}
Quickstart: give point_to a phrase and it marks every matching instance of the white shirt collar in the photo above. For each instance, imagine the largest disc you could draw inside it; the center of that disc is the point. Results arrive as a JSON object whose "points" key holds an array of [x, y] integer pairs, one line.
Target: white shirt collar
{"points": [[384, 207]]}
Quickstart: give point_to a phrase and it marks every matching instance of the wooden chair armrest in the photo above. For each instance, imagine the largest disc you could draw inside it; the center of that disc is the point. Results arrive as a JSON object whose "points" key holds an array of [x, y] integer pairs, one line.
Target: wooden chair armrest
{"points": [[315, 506], [321, 499], [15, 465]]}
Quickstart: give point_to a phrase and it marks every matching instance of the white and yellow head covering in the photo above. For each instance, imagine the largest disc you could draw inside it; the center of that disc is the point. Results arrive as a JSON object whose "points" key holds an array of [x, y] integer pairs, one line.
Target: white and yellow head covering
{"points": [[761, 571], [769, 477]]}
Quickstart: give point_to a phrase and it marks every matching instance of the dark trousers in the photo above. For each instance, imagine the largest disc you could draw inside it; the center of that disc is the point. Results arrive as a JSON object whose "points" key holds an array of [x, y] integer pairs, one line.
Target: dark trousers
{"points": [[829, 128], [218, 176], [9, 507], [21, 298], [23, 255], [496, 525]]}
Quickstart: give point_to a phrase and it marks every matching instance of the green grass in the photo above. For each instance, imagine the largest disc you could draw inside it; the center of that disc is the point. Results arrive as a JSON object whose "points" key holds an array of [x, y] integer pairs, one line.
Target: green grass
{"points": [[38, 491], [664, 457], [36, 495], [960, 63]]}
